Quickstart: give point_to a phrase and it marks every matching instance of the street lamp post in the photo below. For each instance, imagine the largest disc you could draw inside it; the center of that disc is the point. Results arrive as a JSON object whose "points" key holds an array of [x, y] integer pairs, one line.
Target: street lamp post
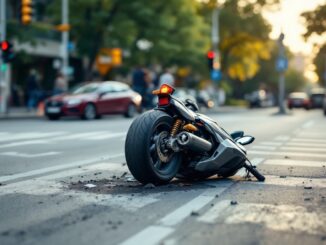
{"points": [[3, 71], [281, 66], [65, 39]]}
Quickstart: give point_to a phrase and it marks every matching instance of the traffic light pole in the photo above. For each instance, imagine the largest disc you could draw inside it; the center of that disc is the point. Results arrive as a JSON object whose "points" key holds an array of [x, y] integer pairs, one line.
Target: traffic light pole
{"points": [[281, 82], [4, 86], [65, 39]]}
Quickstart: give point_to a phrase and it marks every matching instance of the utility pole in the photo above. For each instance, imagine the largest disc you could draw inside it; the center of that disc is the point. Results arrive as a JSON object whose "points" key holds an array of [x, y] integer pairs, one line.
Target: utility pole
{"points": [[3, 67], [281, 66], [65, 39]]}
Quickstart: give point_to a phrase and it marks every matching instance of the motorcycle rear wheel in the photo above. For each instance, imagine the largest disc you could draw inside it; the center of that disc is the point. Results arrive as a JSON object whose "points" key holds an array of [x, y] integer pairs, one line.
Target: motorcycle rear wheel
{"points": [[144, 149]]}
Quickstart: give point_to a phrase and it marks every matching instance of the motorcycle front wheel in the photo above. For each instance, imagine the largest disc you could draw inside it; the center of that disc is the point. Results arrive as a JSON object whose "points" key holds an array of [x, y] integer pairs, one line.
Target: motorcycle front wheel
{"points": [[147, 157]]}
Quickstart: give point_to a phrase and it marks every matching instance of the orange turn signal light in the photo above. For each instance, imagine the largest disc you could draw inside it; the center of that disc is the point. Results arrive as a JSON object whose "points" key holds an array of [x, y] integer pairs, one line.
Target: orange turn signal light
{"points": [[164, 89]]}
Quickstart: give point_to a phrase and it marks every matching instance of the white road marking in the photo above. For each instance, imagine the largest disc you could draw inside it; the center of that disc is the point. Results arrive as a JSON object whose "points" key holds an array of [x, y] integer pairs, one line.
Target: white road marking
{"points": [[282, 138], [26, 155], [294, 154], [308, 124], [306, 140], [176, 216], [24, 136], [292, 181], [61, 167], [278, 217], [22, 143], [149, 236], [272, 143], [80, 135], [213, 213], [264, 147], [293, 148], [297, 163], [107, 136], [308, 144]]}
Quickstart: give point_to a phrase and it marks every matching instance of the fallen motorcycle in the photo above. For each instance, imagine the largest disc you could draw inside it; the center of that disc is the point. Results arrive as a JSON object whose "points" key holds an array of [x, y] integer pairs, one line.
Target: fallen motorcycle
{"points": [[174, 140]]}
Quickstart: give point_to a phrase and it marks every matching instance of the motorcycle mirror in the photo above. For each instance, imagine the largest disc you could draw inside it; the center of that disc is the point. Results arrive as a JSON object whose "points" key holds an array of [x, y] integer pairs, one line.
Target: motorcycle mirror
{"points": [[245, 140]]}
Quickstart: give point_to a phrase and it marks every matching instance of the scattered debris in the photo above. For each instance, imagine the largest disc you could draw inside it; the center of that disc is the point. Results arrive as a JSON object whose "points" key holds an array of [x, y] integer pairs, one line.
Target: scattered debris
{"points": [[194, 213], [233, 202], [149, 186], [90, 185], [308, 187]]}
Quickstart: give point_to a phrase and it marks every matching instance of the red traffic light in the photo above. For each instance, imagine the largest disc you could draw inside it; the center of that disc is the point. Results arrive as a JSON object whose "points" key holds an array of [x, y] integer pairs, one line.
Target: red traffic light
{"points": [[210, 54], [4, 45]]}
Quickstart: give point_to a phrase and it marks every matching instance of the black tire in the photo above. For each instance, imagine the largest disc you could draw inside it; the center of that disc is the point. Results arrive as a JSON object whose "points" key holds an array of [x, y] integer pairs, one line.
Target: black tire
{"points": [[53, 117], [142, 152], [89, 112], [131, 111]]}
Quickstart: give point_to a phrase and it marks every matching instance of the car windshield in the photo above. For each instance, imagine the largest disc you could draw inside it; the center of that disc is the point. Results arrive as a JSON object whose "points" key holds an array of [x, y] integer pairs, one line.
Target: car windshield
{"points": [[88, 88]]}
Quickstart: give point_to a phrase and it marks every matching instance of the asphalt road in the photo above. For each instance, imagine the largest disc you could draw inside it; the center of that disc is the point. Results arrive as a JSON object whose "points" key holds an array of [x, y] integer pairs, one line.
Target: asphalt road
{"points": [[44, 167]]}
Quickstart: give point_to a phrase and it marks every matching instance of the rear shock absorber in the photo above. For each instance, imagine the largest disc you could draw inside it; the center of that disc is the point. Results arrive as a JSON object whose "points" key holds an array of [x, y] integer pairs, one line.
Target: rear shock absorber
{"points": [[175, 127]]}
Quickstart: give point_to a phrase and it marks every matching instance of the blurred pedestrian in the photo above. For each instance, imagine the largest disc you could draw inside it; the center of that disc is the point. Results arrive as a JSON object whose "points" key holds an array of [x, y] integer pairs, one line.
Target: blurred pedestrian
{"points": [[60, 84], [33, 90], [139, 83], [167, 78]]}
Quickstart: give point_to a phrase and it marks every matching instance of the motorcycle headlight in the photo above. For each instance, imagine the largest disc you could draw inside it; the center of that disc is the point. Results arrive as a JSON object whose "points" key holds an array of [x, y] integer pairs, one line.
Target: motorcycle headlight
{"points": [[72, 102]]}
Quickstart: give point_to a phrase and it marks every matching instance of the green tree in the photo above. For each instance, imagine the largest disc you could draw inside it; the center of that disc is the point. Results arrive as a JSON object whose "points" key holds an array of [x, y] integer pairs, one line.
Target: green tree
{"points": [[316, 25], [244, 36], [315, 21], [177, 32]]}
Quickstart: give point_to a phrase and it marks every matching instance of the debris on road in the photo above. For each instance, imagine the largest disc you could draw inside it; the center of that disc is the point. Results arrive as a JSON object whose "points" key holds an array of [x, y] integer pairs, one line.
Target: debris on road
{"points": [[233, 202], [194, 213], [90, 185]]}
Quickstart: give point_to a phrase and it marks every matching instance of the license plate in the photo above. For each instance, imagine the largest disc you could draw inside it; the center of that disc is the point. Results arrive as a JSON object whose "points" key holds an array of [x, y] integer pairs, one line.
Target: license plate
{"points": [[53, 110]]}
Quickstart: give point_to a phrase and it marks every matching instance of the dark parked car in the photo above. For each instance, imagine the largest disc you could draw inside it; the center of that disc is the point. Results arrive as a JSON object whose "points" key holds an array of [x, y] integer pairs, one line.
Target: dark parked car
{"points": [[260, 98], [299, 100], [317, 98], [94, 99]]}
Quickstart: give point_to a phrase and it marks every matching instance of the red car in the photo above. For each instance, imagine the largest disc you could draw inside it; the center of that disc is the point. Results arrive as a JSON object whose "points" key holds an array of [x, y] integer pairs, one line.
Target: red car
{"points": [[299, 100], [94, 99]]}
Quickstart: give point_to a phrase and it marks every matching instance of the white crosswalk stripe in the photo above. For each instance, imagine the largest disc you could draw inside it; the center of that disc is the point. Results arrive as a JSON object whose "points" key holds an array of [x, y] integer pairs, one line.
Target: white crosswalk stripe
{"points": [[20, 139]]}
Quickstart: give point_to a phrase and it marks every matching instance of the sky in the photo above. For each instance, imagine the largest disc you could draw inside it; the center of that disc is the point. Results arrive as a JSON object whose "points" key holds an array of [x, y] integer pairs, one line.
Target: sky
{"points": [[287, 18]]}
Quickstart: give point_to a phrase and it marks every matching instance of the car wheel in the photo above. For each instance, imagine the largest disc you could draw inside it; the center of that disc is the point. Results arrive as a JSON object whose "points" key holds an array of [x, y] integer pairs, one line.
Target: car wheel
{"points": [[53, 117], [131, 111], [89, 112]]}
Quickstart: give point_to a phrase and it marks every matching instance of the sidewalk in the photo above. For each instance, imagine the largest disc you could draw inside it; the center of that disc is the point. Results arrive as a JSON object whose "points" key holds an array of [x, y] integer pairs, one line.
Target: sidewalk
{"points": [[21, 113]]}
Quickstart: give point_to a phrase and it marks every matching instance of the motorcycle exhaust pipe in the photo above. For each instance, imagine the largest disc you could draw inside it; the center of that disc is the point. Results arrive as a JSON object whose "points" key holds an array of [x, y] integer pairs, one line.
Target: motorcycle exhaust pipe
{"points": [[193, 142]]}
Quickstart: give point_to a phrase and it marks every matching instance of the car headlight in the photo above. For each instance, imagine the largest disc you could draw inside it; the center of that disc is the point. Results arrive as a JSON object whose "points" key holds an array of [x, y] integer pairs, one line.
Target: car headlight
{"points": [[73, 102]]}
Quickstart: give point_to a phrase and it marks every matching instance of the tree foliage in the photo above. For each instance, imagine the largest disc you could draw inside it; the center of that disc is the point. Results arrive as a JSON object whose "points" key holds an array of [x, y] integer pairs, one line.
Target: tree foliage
{"points": [[244, 37], [315, 21]]}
